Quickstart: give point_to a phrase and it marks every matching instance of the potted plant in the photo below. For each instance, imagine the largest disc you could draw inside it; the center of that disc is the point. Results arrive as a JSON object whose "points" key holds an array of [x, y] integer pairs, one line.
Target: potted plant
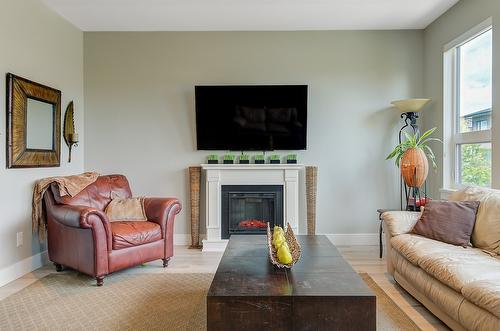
{"points": [[228, 159], [244, 159], [259, 159], [291, 158], [412, 157], [213, 159], [274, 159]]}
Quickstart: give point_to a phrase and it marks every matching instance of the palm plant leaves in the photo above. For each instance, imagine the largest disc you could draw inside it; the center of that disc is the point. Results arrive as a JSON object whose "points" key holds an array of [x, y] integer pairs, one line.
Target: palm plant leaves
{"points": [[415, 141], [427, 134]]}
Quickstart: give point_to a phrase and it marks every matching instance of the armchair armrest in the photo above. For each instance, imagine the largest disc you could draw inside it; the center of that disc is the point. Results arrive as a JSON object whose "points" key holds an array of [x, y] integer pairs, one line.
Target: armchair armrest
{"points": [[399, 222], [84, 218], [161, 210]]}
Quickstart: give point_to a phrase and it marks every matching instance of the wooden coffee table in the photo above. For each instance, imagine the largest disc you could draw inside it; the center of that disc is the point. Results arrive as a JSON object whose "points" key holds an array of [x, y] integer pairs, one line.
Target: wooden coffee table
{"points": [[320, 292]]}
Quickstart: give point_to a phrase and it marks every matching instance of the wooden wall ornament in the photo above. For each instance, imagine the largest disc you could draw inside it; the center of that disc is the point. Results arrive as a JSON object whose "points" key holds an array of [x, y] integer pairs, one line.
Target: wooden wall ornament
{"points": [[311, 192], [21, 93], [194, 197], [70, 136]]}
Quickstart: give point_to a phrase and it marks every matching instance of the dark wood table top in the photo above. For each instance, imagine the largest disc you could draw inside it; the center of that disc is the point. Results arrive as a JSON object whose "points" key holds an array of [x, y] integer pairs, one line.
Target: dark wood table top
{"points": [[245, 270]]}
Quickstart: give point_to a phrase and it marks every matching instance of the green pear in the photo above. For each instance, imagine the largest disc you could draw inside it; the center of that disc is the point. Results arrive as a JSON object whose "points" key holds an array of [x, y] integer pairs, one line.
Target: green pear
{"points": [[284, 255], [277, 230], [278, 241]]}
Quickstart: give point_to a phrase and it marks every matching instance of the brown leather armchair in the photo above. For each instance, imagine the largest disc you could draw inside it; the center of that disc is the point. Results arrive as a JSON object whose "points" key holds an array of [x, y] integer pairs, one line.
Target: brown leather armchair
{"points": [[81, 237]]}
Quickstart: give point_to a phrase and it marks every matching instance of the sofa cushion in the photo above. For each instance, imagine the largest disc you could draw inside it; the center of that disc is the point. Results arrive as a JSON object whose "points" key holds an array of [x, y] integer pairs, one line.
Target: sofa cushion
{"points": [[486, 234], [485, 294], [448, 221], [134, 233], [414, 247], [441, 295], [452, 265]]}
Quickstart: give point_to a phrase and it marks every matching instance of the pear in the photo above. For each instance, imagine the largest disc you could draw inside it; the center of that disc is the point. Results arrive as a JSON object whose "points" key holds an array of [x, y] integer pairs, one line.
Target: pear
{"points": [[285, 244], [278, 241], [277, 231], [284, 255]]}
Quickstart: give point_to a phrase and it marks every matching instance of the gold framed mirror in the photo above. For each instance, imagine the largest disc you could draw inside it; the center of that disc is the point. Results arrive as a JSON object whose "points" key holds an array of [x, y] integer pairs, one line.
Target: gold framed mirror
{"points": [[33, 124]]}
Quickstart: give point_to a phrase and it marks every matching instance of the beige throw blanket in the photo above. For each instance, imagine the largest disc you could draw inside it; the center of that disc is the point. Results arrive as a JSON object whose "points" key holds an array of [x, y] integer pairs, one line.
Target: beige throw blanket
{"points": [[68, 185]]}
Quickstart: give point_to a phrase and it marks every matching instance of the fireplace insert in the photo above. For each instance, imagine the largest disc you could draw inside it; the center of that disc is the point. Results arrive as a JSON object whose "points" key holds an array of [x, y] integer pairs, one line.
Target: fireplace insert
{"points": [[246, 209]]}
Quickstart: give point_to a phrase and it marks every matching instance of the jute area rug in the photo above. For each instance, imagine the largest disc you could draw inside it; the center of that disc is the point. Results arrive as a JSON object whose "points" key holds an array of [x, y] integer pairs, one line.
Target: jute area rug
{"points": [[71, 301]]}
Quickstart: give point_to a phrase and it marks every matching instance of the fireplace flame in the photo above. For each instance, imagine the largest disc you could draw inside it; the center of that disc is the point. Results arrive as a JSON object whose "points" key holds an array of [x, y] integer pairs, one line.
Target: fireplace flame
{"points": [[253, 224]]}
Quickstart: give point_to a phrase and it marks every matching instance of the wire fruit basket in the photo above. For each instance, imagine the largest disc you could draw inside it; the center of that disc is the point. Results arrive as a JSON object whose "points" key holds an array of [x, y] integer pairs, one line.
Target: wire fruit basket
{"points": [[292, 242]]}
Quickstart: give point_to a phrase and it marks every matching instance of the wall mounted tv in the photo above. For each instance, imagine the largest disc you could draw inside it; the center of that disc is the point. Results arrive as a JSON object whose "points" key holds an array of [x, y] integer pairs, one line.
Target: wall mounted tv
{"points": [[251, 117]]}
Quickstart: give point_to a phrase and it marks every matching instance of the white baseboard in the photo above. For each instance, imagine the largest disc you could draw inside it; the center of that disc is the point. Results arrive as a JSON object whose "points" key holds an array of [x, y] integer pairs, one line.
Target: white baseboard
{"points": [[353, 239], [182, 239], [21, 268]]}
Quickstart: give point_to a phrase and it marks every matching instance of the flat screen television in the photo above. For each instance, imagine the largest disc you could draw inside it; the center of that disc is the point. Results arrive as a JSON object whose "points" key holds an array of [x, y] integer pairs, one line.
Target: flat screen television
{"points": [[251, 117]]}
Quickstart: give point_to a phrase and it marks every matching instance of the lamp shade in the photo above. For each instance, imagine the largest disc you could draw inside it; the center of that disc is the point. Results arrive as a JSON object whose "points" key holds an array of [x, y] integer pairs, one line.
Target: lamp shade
{"points": [[410, 105]]}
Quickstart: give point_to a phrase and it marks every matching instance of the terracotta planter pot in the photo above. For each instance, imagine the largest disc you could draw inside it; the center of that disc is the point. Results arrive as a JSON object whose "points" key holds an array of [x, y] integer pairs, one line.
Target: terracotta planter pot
{"points": [[414, 167]]}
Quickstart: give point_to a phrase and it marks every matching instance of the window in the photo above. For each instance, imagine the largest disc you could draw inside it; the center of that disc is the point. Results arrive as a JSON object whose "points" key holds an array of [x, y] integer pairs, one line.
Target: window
{"points": [[467, 108]]}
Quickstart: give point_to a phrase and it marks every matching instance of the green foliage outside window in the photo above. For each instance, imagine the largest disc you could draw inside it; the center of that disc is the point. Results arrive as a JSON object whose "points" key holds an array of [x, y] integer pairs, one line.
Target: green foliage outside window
{"points": [[476, 164]]}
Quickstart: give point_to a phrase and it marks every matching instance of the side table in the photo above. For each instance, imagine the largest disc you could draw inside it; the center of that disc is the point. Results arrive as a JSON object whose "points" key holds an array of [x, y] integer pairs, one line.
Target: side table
{"points": [[381, 228]]}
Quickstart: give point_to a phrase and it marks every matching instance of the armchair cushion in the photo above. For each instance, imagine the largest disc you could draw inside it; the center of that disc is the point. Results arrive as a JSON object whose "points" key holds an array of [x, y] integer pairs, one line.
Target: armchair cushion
{"points": [[126, 209], [134, 233]]}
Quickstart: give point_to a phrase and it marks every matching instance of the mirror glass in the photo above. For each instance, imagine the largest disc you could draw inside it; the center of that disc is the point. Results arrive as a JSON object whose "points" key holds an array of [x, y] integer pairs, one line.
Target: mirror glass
{"points": [[39, 124]]}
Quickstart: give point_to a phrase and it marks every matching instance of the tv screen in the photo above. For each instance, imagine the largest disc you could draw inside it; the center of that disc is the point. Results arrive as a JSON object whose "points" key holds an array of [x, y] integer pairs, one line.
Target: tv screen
{"points": [[254, 117]]}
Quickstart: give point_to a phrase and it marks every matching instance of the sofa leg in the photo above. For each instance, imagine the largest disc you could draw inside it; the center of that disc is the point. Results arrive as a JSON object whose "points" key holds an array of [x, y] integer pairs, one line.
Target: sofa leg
{"points": [[99, 280], [165, 262], [59, 267]]}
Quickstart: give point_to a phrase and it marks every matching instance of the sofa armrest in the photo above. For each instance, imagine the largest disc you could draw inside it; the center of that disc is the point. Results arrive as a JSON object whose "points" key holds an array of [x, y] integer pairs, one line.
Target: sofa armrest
{"points": [[395, 224], [399, 222], [84, 217]]}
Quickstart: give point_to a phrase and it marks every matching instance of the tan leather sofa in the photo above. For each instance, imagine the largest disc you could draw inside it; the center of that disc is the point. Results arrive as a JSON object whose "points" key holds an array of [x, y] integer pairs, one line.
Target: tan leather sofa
{"points": [[461, 286]]}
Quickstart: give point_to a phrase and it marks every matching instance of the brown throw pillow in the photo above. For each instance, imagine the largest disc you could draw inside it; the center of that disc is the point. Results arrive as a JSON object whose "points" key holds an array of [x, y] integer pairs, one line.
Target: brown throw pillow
{"points": [[451, 222], [126, 209]]}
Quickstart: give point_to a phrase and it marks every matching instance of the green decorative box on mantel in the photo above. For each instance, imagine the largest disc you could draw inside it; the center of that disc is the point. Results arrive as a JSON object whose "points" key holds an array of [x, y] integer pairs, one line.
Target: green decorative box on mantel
{"points": [[274, 159], [228, 159], [244, 159], [259, 159]]}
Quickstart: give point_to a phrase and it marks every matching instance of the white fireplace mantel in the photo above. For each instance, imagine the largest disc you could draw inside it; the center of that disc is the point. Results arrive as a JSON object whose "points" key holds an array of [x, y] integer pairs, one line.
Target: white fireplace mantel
{"points": [[217, 175]]}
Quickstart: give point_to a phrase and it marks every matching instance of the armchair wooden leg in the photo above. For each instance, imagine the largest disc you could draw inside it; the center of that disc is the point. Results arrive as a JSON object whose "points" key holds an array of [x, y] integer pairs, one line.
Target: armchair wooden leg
{"points": [[59, 267], [165, 262], [99, 280]]}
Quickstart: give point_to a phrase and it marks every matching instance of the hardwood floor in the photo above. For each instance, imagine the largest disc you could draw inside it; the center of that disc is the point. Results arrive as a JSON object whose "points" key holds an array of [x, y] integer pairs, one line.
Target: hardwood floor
{"points": [[362, 258]]}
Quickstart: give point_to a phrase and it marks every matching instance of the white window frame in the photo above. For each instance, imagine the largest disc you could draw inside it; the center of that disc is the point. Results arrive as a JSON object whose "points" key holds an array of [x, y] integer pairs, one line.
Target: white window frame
{"points": [[452, 136]]}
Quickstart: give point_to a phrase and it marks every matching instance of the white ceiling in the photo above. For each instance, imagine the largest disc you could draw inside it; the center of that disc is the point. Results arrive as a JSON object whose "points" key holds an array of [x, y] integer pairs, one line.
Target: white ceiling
{"points": [[210, 15]]}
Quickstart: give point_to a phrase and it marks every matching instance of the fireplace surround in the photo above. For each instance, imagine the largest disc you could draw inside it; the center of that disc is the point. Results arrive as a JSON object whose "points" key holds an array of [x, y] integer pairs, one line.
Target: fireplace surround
{"points": [[216, 176]]}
